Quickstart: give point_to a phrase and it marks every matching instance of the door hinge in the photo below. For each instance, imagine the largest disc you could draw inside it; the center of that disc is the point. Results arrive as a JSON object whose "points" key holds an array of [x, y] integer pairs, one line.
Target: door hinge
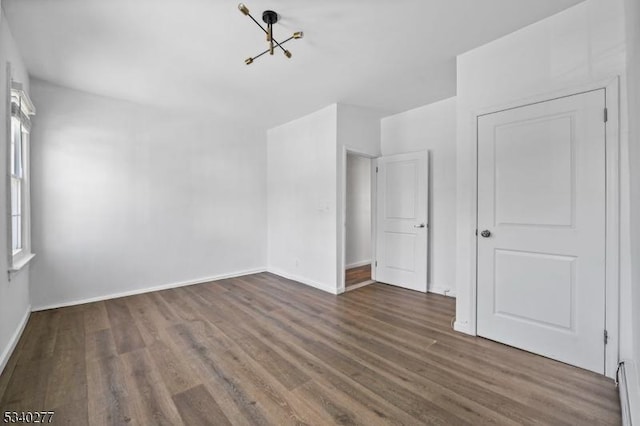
{"points": [[376, 169], [476, 232], [606, 115], [606, 337], [376, 263]]}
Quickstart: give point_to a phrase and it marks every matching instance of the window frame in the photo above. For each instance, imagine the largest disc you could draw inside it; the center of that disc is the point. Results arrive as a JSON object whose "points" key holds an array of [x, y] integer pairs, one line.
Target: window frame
{"points": [[19, 110]]}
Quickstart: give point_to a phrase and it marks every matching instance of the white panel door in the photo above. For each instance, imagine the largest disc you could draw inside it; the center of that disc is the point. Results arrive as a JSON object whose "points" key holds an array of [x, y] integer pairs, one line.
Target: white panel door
{"points": [[541, 226], [401, 247]]}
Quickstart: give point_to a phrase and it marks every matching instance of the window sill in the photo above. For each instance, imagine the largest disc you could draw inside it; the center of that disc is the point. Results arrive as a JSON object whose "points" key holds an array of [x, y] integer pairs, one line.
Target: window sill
{"points": [[22, 262]]}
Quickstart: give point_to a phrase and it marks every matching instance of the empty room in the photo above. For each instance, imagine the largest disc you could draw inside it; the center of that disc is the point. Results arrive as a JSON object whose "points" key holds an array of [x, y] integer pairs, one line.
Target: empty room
{"points": [[299, 212]]}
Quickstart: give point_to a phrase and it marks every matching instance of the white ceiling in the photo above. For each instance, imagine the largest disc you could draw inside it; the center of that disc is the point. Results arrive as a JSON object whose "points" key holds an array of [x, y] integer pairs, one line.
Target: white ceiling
{"points": [[392, 55]]}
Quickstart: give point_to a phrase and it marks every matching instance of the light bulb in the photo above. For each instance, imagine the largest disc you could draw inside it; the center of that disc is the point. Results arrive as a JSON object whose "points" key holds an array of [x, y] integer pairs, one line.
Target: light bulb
{"points": [[244, 9]]}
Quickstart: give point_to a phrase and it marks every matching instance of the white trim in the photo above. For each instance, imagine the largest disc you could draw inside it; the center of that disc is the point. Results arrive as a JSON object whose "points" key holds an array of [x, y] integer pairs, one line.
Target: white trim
{"points": [[341, 225], [613, 213], [462, 327], [549, 96], [442, 289], [8, 242], [13, 342], [320, 286], [374, 217], [342, 215], [21, 262], [148, 289], [612, 135], [359, 285], [629, 389], [18, 88], [357, 264]]}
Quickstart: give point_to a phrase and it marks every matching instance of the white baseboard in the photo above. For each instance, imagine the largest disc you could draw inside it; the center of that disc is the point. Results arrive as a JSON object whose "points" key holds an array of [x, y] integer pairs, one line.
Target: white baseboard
{"points": [[441, 289], [462, 327], [148, 289], [306, 281], [358, 264], [629, 388], [6, 353]]}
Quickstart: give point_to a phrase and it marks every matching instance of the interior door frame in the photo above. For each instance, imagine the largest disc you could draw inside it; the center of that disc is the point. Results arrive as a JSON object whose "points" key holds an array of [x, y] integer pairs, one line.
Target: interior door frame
{"points": [[342, 258], [612, 176]]}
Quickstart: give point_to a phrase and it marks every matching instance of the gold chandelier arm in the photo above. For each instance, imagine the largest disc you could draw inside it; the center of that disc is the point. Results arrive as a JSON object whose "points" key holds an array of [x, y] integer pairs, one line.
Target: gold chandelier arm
{"points": [[280, 44], [256, 22], [249, 61], [270, 37]]}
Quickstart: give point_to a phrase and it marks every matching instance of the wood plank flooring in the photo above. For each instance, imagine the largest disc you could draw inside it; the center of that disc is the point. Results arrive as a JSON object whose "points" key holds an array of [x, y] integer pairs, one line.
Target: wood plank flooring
{"points": [[357, 275], [263, 350]]}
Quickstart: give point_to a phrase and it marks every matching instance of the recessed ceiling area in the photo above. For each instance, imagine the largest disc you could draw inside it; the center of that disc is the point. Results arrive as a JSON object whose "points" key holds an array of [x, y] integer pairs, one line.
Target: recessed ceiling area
{"points": [[387, 55]]}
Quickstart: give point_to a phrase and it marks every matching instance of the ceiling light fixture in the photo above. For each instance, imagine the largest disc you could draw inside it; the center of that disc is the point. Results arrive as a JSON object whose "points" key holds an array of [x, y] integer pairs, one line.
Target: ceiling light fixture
{"points": [[269, 17]]}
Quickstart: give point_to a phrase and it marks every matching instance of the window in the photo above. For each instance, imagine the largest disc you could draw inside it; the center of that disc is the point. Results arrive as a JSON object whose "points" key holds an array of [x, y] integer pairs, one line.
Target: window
{"points": [[18, 165]]}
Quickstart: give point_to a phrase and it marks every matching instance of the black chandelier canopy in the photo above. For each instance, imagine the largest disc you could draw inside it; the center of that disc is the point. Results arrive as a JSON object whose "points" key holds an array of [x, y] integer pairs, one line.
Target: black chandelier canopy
{"points": [[270, 18]]}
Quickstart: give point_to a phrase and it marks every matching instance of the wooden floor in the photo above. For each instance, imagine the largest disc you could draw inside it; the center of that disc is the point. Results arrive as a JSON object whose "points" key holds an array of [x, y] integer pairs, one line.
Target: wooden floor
{"points": [[264, 350], [357, 275]]}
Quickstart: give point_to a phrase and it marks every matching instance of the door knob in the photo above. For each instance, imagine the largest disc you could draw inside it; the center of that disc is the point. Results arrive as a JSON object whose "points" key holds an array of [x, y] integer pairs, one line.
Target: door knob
{"points": [[422, 225], [486, 233]]}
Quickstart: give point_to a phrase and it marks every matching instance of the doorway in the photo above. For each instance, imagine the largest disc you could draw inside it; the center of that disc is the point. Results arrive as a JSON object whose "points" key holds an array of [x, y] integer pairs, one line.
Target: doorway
{"points": [[541, 244], [358, 221]]}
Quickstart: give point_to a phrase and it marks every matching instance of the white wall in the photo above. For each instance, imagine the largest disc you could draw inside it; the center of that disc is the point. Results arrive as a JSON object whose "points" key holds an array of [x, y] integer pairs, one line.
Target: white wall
{"points": [[301, 187], [433, 128], [583, 44], [359, 129], [306, 183], [14, 294], [128, 197], [358, 221], [632, 13]]}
